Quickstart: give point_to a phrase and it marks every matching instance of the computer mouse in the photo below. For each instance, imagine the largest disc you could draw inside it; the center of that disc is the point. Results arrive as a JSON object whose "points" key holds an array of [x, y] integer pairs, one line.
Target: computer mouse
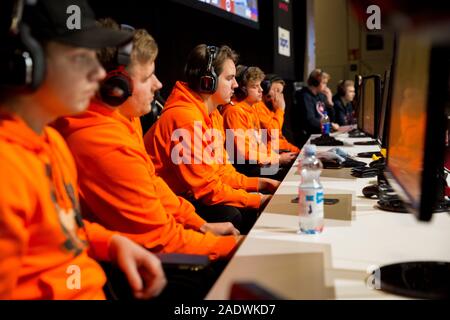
{"points": [[370, 191]]}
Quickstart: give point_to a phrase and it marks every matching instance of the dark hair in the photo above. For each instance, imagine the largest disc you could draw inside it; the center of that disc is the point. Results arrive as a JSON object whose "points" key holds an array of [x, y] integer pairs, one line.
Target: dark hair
{"points": [[197, 63]]}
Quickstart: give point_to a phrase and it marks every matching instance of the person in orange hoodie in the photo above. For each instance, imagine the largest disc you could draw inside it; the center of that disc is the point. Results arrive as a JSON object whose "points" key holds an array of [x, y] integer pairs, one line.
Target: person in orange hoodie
{"points": [[270, 111], [254, 155], [180, 142], [46, 248], [118, 184]]}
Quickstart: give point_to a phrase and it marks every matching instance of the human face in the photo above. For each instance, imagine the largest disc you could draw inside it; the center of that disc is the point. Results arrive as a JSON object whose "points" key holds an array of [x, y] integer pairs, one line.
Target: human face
{"points": [[145, 84], [226, 84], [254, 92], [323, 85], [72, 78], [275, 89], [350, 93]]}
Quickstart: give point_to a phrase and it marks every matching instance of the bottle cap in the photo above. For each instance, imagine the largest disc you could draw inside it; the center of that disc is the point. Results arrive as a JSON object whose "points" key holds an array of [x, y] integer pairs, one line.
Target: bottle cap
{"points": [[310, 149]]}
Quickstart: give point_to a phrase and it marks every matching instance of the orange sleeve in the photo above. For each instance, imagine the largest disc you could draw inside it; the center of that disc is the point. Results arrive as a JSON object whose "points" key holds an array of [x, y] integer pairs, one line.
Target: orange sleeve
{"points": [[180, 208], [274, 121], [236, 179], [268, 119], [245, 145], [124, 197], [99, 239], [203, 178], [15, 202]]}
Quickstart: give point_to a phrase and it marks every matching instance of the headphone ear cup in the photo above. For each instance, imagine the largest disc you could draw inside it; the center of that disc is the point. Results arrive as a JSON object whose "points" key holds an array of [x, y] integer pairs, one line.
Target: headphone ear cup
{"points": [[265, 85], [241, 93], [22, 62], [315, 82], [37, 56], [208, 83], [116, 88]]}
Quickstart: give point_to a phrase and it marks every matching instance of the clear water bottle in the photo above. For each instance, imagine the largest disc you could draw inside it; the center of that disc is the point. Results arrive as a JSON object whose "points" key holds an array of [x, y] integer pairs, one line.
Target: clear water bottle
{"points": [[310, 193], [325, 124]]}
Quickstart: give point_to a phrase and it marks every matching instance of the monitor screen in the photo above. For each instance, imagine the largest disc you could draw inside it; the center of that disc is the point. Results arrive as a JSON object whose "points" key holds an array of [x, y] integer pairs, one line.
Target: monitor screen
{"points": [[417, 123], [241, 11], [370, 104]]}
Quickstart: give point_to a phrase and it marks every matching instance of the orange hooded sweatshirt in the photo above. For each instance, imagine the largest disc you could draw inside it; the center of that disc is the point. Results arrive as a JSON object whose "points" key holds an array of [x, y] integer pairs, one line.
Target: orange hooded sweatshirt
{"points": [[40, 240], [190, 167], [243, 120], [226, 171], [120, 190], [273, 120]]}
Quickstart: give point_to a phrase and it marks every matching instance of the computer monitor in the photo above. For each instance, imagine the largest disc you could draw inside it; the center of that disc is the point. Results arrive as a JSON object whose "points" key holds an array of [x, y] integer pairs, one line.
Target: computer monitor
{"points": [[417, 123], [382, 134], [370, 104], [357, 100]]}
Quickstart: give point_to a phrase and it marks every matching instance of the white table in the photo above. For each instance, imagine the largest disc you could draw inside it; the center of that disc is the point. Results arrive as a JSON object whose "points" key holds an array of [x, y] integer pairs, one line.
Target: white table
{"points": [[337, 263]]}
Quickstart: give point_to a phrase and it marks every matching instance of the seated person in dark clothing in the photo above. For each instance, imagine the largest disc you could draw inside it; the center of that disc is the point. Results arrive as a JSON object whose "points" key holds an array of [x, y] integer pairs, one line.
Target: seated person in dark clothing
{"points": [[343, 110], [312, 101]]}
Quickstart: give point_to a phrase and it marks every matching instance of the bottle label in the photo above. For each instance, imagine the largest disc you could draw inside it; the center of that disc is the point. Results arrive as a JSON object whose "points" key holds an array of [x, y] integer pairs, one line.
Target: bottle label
{"points": [[311, 202], [326, 128]]}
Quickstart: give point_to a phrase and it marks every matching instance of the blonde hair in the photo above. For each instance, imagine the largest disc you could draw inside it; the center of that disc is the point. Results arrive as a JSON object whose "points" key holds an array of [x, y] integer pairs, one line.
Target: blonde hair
{"points": [[145, 48]]}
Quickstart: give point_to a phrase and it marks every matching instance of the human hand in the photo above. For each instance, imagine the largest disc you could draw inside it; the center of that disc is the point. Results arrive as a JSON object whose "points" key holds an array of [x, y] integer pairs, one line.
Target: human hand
{"points": [[220, 228], [267, 184], [142, 269]]}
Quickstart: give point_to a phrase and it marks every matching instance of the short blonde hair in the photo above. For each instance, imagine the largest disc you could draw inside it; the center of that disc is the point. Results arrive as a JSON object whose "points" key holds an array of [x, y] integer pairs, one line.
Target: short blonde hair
{"points": [[145, 48]]}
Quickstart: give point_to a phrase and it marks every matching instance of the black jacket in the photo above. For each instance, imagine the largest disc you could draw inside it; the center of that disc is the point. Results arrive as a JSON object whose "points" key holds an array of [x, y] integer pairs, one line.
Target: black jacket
{"points": [[343, 114]]}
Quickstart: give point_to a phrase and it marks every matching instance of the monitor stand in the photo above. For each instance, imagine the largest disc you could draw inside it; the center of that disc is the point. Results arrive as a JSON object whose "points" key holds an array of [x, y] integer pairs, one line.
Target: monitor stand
{"points": [[366, 143], [416, 279], [326, 140]]}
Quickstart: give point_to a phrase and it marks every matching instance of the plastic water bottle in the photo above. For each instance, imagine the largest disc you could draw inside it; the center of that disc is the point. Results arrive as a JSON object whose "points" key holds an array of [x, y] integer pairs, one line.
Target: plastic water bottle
{"points": [[310, 193], [325, 123]]}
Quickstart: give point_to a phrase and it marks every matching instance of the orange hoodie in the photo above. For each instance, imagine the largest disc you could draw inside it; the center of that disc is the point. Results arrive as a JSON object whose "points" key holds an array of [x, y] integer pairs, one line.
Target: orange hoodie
{"points": [[226, 171], [39, 238], [273, 120], [249, 144], [196, 173], [120, 190]]}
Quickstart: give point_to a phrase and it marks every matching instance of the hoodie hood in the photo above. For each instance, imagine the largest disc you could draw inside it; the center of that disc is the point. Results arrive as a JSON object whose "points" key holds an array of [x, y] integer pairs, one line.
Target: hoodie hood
{"points": [[14, 130], [97, 114], [183, 97]]}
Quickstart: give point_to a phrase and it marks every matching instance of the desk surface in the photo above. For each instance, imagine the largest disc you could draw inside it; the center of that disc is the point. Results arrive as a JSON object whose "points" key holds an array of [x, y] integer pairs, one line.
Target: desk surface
{"points": [[337, 263]]}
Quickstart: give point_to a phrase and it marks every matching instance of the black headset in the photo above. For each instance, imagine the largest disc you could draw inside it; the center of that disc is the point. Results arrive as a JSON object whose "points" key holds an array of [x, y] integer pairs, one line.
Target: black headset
{"points": [[267, 82], [208, 81], [117, 87], [241, 91], [22, 59]]}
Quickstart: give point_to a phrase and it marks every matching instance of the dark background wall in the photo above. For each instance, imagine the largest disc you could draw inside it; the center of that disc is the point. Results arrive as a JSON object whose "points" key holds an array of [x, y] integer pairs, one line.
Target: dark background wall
{"points": [[178, 28]]}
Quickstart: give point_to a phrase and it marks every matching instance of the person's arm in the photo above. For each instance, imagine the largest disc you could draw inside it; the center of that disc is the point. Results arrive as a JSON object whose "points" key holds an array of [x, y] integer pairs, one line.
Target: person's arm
{"points": [[245, 144], [308, 111], [205, 182], [128, 200], [270, 120], [15, 205], [237, 180], [142, 268]]}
